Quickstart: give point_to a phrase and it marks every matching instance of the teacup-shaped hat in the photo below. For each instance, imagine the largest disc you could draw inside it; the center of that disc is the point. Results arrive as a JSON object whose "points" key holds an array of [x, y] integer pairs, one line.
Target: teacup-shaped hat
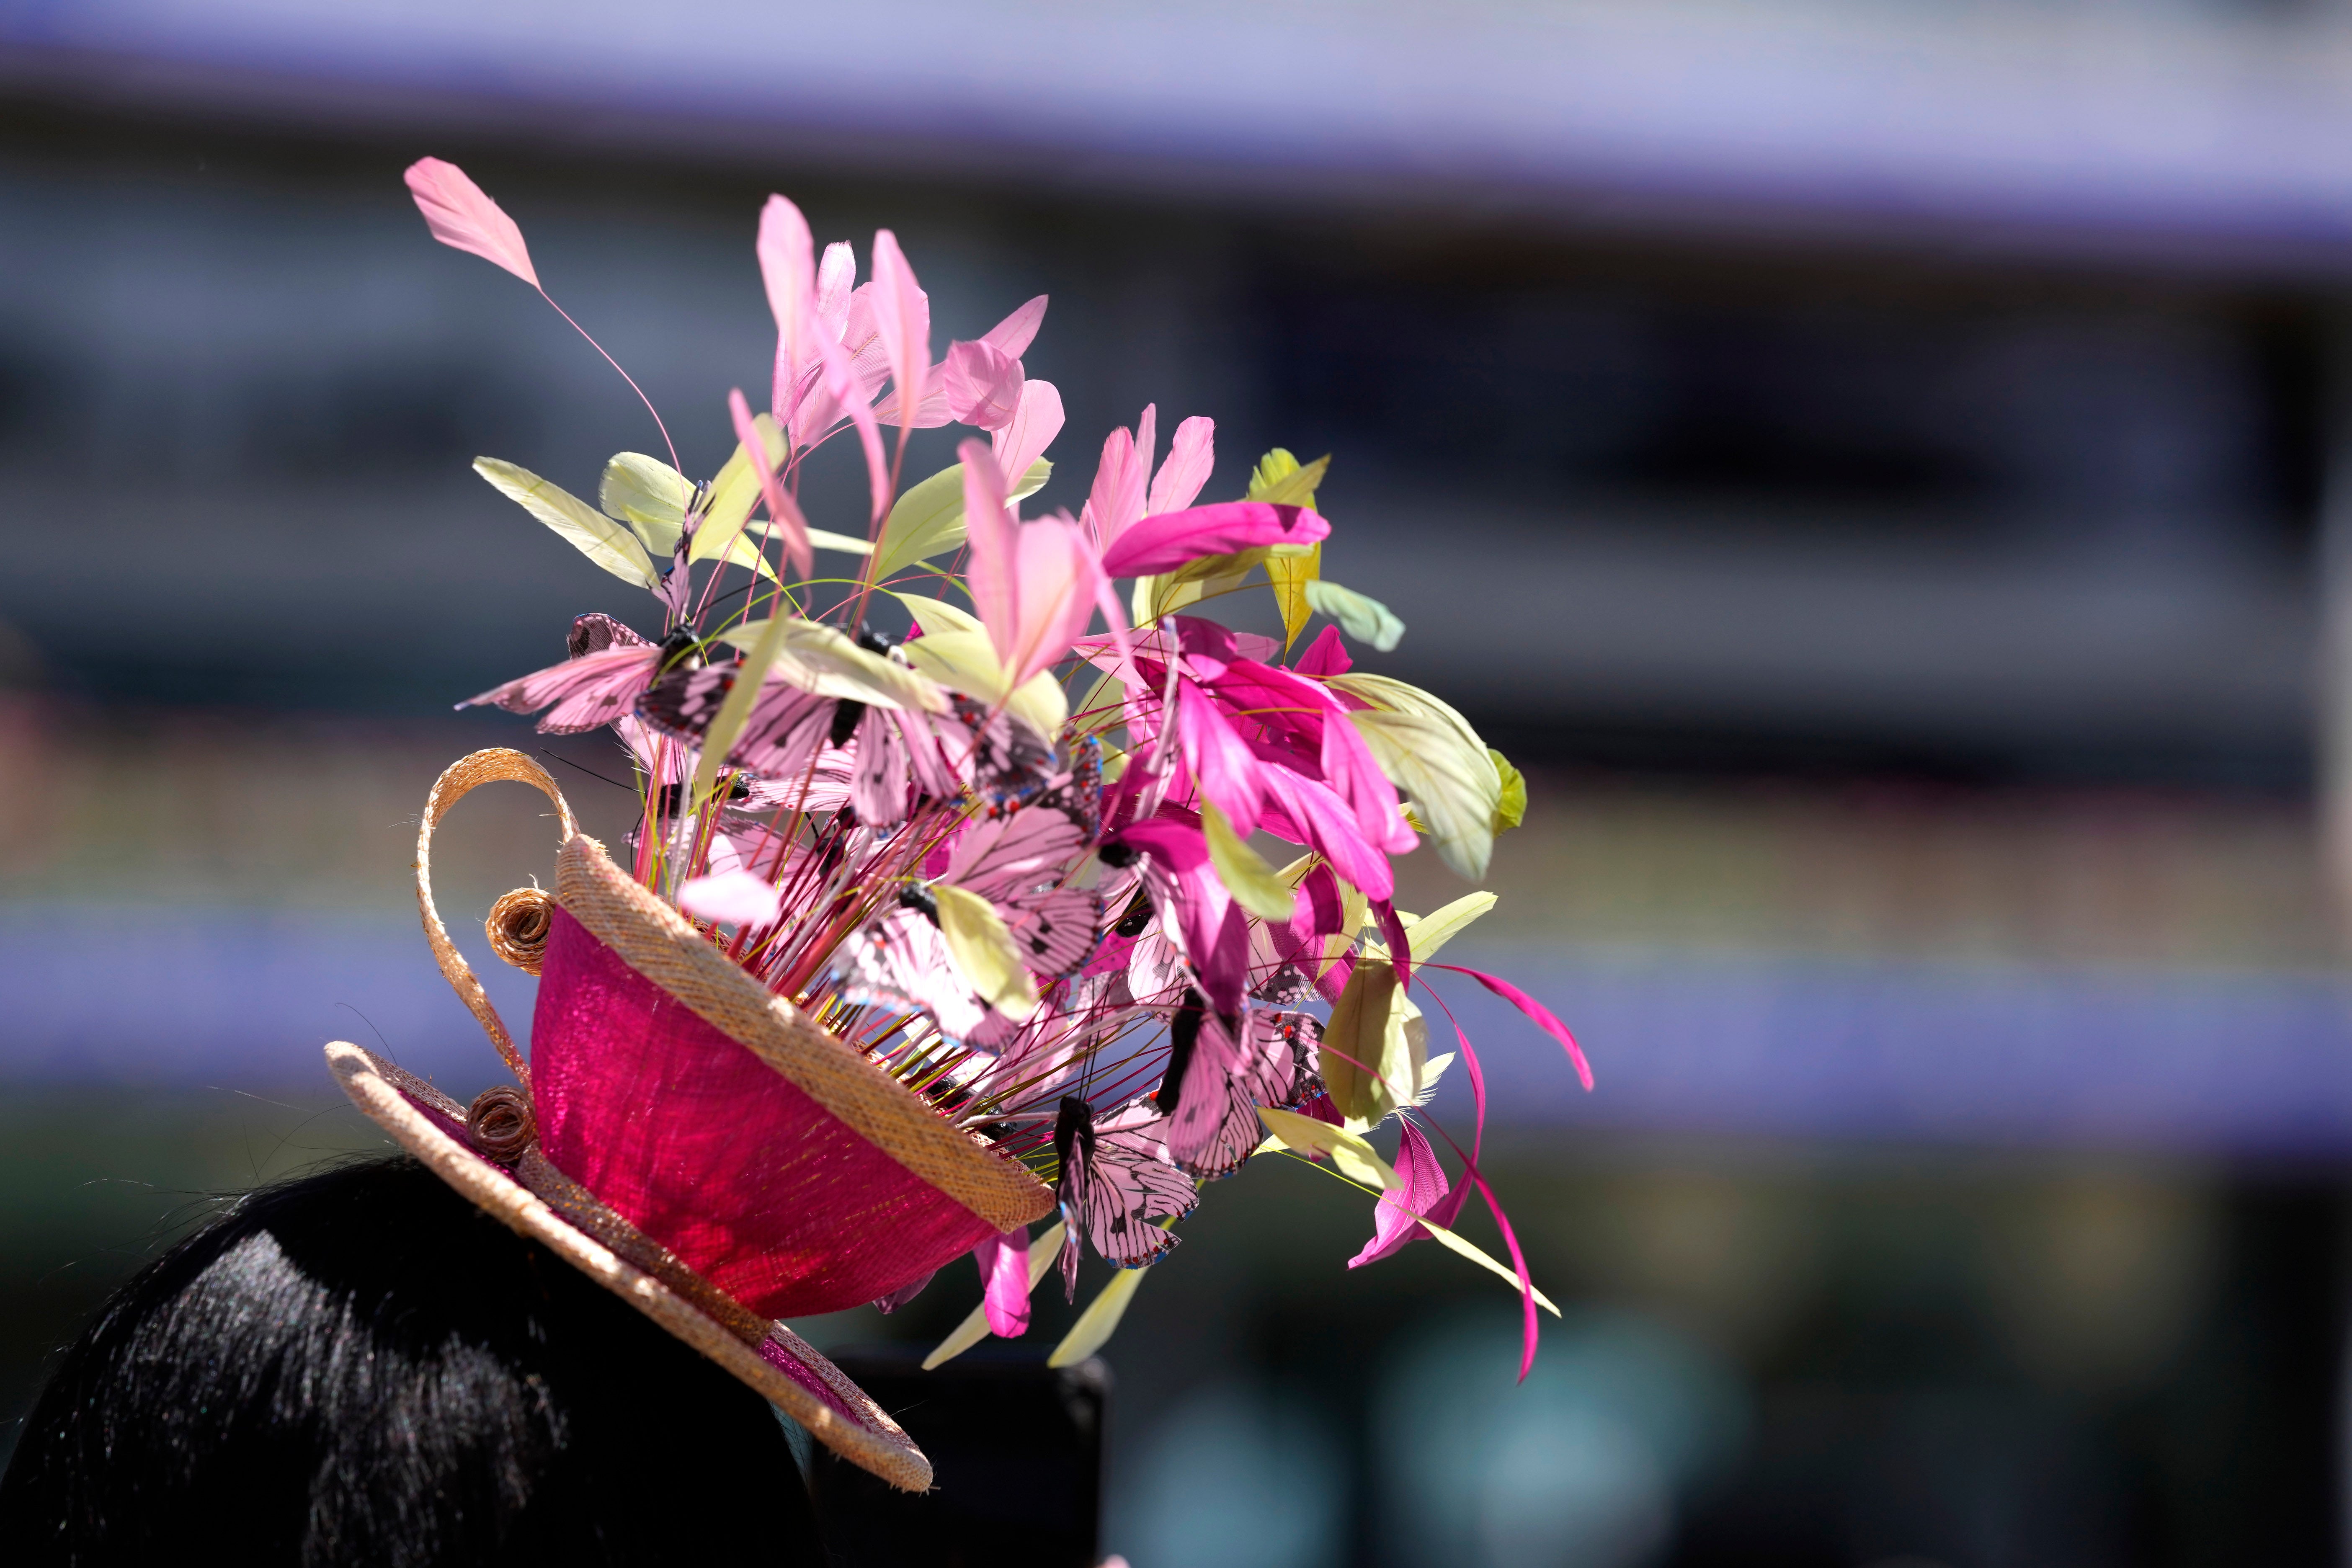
{"points": [[689, 1138]]}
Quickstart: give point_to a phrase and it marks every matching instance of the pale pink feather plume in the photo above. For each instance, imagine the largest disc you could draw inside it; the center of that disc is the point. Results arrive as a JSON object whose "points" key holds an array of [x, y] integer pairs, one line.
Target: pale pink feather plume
{"points": [[1058, 575], [782, 510], [1036, 422], [784, 384], [736, 896], [861, 340], [788, 269], [981, 385], [819, 410], [902, 319], [1114, 616], [1190, 457], [1008, 338], [1034, 586], [1116, 503], [931, 413], [1018, 331], [836, 276], [841, 381], [462, 218], [818, 414], [991, 573]]}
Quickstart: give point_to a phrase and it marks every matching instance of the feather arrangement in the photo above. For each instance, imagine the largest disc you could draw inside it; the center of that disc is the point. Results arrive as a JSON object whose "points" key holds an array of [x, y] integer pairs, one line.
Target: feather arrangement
{"points": [[1015, 856]]}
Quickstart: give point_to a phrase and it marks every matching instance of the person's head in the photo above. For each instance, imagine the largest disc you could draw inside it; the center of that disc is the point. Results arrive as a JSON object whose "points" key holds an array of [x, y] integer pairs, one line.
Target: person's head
{"points": [[359, 1367]]}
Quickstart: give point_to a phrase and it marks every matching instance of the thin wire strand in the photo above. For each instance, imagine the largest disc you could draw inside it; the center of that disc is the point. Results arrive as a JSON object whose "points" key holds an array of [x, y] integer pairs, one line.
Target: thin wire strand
{"points": [[640, 390]]}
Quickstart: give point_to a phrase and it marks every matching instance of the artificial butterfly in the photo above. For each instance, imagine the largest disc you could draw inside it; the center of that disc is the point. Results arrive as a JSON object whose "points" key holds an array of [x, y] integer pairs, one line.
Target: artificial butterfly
{"points": [[1138, 884], [609, 669], [901, 962], [789, 728], [1116, 1180], [1220, 1069], [1016, 860]]}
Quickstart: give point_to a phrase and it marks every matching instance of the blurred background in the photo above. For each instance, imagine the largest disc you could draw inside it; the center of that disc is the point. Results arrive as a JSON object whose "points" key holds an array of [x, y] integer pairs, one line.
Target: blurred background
{"points": [[1878, 468]]}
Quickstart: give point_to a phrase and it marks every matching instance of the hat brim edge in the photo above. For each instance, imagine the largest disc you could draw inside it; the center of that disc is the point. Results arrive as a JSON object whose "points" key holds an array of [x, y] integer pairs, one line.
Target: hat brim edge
{"points": [[880, 1449]]}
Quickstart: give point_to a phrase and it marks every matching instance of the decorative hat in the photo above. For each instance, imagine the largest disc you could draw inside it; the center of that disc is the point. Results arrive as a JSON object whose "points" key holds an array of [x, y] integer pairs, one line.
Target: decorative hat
{"points": [[689, 1138], [911, 926]]}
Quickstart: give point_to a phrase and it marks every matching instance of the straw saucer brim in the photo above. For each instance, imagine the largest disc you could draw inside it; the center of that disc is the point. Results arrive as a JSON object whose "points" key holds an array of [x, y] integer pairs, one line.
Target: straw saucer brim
{"points": [[851, 1424]]}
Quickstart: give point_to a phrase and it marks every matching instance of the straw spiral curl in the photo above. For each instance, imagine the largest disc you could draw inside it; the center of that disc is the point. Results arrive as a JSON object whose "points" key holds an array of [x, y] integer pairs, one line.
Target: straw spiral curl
{"points": [[518, 927]]}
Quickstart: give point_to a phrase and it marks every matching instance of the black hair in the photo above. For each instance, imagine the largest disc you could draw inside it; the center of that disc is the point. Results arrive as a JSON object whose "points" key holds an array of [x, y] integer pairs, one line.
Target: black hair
{"points": [[359, 1367]]}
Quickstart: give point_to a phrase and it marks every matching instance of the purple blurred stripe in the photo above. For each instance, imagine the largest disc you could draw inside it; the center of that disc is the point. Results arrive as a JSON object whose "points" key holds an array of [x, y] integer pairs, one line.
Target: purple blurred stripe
{"points": [[2162, 123], [1681, 1041], [236, 997], [1684, 1042]]}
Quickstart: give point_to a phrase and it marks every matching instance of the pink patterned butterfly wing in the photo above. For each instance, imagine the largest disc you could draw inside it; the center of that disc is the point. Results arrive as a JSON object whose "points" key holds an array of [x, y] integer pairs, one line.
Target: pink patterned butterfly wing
{"points": [[580, 693], [1003, 757], [595, 632], [901, 963], [1018, 861], [1122, 1183]]}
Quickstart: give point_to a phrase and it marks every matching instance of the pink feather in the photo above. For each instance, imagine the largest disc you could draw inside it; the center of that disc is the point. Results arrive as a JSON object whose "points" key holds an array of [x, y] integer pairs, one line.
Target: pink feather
{"points": [[462, 218], [1396, 1221], [1060, 580], [902, 319], [1354, 775], [1004, 1277], [981, 384], [1537, 1012], [1034, 585], [781, 507], [1165, 543], [991, 577], [1116, 503], [1040, 589], [837, 278], [1191, 456], [1018, 331], [1036, 422], [1399, 939], [813, 418], [1528, 1331], [1228, 770], [1306, 812], [1327, 655], [841, 381], [788, 269], [987, 378]]}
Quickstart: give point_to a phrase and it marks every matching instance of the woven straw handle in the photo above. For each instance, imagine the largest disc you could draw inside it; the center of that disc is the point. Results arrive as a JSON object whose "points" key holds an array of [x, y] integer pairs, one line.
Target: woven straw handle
{"points": [[455, 780]]}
